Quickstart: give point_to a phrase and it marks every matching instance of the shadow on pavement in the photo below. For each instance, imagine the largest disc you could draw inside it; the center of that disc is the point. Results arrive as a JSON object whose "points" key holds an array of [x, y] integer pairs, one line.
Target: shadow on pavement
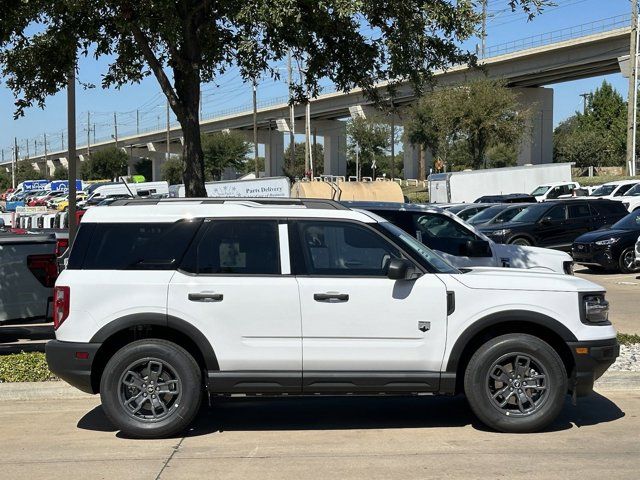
{"points": [[346, 413]]}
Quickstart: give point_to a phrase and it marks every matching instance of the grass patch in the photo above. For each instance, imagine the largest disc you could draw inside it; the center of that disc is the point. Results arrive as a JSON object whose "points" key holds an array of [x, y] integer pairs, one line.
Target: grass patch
{"points": [[599, 180], [628, 338], [25, 367], [416, 194]]}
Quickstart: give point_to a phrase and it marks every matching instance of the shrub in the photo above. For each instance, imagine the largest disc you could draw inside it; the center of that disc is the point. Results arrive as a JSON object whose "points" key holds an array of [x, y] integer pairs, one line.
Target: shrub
{"points": [[25, 367]]}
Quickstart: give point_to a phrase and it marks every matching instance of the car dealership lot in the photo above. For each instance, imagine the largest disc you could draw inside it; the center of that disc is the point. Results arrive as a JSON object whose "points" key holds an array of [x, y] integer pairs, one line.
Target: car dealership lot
{"points": [[357, 437]]}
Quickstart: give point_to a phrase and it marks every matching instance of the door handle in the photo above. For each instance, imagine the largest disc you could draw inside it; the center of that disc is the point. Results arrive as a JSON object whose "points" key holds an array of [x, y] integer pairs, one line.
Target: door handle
{"points": [[205, 297], [331, 297]]}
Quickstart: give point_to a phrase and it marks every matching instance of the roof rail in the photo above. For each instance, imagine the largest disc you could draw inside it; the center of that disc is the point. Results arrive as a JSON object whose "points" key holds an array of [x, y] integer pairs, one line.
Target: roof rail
{"points": [[312, 203]]}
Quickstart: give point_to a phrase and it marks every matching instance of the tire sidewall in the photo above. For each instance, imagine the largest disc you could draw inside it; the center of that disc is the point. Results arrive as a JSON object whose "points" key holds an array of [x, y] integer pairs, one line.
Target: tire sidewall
{"points": [[621, 264], [476, 378], [184, 367]]}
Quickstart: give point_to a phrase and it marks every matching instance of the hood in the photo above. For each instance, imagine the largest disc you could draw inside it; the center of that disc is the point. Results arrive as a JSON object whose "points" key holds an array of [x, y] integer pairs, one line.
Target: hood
{"points": [[483, 278], [604, 234], [501, 226]]}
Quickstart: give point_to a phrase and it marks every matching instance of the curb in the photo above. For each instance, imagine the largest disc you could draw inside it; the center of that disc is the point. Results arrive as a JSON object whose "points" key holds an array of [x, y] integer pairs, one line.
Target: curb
{"points": [[610, 381]]}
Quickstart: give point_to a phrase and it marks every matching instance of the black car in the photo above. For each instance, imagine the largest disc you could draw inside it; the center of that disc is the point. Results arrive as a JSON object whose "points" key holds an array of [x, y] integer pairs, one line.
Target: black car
{"points": [[508, 198], [467, 210], [556, 224], [610, 248], [498, 214]]}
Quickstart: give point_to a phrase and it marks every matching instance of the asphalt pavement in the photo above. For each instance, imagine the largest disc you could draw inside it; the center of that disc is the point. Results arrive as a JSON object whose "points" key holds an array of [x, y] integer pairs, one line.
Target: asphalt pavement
{"points": [[336, 438]]}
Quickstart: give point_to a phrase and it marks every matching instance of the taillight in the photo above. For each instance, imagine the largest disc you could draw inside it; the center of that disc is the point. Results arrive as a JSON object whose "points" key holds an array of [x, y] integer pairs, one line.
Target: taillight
{"points": [[60, 305], [44, 267], [61, 246]]}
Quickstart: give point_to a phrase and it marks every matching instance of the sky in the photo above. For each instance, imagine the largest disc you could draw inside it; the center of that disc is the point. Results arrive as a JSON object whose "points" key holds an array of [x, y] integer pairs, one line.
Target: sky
{"points": [[230, 93]]}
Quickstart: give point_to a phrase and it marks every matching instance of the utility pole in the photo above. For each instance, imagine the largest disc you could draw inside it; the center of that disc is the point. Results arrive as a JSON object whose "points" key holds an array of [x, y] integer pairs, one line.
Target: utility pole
{"points": [[15, 162], [168, 133], [62, 138], [27, 143], [393, 141], [71, 131], [137, 122], [115, 128], [88, 133], [255, 128], [292, 113], [484, 28], [632, 101], [45, 148], [585, 97], [35, 147]]}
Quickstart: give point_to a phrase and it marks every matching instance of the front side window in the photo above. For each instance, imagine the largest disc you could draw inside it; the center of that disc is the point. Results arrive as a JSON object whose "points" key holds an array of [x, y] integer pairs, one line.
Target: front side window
{"points": [[556, 214], [234, 247], [623, 189], [344, 249]]}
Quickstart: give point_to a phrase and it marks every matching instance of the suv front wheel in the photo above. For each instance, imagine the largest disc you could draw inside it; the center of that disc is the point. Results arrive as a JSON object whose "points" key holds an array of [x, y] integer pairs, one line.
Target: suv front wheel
{"points": [[151, 388], [516, 383]]}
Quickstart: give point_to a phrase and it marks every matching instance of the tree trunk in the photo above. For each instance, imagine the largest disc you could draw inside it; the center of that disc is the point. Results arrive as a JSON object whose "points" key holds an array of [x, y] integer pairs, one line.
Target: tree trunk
{"points": [[421, 164]]}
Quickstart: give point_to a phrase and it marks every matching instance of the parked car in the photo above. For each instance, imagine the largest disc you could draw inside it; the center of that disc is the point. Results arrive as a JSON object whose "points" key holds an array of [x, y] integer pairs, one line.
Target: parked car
{"points": [[6, 193], [467, 210], [610, 248], [556, 224], [63, 204], [631, 199], [43, 200], [460, 243], [321, 279], [613, 190], [509, 198], [555, 190], [500, 213], [37, 198], [638, 252]]}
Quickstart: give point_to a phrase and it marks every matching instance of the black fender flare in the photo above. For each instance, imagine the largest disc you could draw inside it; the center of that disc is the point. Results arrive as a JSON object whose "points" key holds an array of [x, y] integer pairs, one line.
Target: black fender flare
{"points": [[507, 316], [169, 321]]}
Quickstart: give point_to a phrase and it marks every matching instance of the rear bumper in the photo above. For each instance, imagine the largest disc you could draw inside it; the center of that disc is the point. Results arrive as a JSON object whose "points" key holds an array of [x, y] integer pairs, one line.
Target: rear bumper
{"points": [[589, 366], [65, 364]]}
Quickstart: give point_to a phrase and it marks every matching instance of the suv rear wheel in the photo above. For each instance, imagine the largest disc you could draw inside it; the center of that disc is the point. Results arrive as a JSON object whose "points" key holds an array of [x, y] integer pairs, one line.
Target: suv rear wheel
{"points": [[151, 388], [516, 383]]}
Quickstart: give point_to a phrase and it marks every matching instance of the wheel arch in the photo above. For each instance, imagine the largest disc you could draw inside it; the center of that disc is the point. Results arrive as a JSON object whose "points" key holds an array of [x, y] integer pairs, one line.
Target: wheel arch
{"points": [[513, 321], [118, 333], [528, 237]]}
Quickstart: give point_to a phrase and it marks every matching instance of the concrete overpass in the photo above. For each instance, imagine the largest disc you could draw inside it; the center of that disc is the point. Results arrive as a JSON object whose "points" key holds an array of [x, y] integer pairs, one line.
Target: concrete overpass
{"points": [[527, 65]]}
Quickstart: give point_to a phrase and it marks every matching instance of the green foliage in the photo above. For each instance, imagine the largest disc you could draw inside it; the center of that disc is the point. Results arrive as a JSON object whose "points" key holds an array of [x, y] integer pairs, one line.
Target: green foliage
{"points": [[171, 171], [61, 173], [25, 171], [480, 116], [189, 42], [144, 167], [294, 167], [628, 338], [370, 139], [25, 367], [224, 150], [502, 155], [108, 163], [5, 180], [596, 137]]}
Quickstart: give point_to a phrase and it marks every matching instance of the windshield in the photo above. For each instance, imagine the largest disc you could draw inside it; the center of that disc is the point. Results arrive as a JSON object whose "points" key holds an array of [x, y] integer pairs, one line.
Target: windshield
{"points": [[630, 222], [530, 214], [603, 190], [432, 258], [485, 215], [633, 192], [541, 190]]}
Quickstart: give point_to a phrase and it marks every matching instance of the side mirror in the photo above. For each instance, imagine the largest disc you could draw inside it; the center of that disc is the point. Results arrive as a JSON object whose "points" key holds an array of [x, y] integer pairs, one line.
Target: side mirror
{"points": [[546, 221], [398, 269], [477, 248]]}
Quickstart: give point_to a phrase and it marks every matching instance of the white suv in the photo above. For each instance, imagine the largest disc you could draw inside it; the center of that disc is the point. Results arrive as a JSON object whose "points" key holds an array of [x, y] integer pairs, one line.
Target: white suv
{"points": [[164, 298]]}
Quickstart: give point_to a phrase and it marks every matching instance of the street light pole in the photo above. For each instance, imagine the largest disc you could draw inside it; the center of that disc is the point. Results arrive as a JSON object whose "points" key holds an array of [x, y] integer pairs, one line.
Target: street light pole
{"points": [[292, 116], [632, 101], [168, 133], [255, 128], [71, 131]]}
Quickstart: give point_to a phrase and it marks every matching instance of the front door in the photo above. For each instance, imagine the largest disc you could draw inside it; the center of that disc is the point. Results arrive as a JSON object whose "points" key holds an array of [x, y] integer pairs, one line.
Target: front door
{"points": [[362, 330], [235, 287]]}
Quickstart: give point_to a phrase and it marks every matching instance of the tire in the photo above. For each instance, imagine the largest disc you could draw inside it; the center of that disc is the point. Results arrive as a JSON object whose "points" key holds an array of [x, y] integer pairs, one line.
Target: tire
{"points": [[179, 377], [521, 241], [626, 262], [481, 384]]}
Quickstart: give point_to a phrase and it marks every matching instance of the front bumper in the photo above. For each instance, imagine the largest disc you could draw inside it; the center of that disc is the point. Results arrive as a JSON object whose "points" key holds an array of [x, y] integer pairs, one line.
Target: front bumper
{"points": [[591, 254], [66, 360], [591, 363]]}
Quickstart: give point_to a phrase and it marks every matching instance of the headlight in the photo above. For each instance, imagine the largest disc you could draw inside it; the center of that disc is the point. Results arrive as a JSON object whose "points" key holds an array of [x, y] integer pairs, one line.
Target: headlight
{"points": [[609, 241], [568, 267], [501, 233], [595, 309]]}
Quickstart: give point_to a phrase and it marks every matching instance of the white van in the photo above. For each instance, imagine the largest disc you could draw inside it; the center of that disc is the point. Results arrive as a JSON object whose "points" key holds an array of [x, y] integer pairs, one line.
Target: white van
{"points": [[144, 189]]}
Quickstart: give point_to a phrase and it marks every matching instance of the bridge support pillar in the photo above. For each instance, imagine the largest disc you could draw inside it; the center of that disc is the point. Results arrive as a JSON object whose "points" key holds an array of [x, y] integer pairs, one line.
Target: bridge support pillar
{"points": [[273, 152], [335, 150], [538, 147]]}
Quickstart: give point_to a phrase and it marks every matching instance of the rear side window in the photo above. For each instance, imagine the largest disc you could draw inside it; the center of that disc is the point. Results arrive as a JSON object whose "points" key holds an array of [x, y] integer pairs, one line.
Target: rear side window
{"points": [[580, 210], [604, 207], [235, 247], [132, 246]]}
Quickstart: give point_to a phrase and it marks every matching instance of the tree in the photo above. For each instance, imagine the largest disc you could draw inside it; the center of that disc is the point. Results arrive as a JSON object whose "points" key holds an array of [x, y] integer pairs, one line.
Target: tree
{"points": [[25, 171], [294, 167], [482, 114], [61, 173], [144, 167], [370, 139], [224, 150], [5, 180], [105, 164], [171, 171], [184, 43]]}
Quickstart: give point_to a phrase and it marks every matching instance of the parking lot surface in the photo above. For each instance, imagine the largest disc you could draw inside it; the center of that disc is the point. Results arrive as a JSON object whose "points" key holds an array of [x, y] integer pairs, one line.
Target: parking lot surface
{"points": [[623, 293], [337, 438]]}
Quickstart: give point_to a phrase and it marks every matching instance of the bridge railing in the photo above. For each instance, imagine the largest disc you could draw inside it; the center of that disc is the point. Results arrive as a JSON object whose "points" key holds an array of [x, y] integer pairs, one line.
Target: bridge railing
{"points": [[569, 33]]}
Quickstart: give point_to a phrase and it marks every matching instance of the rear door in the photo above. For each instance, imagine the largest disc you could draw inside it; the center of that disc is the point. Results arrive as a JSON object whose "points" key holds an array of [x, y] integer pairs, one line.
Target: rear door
{"points": [[235, 286], [580, 219], [550, 230], [362, 330]]}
